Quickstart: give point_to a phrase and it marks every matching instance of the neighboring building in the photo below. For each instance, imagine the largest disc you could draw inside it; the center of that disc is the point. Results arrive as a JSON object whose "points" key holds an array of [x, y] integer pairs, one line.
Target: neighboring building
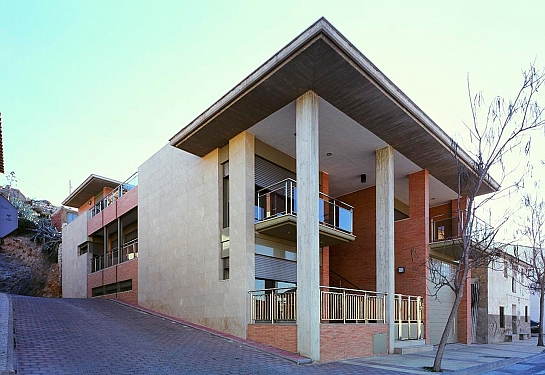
{"points": [[314, 191], [501, 293], [63, 216]]}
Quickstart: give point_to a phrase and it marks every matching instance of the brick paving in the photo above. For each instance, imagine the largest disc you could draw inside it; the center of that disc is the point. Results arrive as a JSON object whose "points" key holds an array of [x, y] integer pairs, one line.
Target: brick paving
{"points": [[533, 366], [84, 336]]}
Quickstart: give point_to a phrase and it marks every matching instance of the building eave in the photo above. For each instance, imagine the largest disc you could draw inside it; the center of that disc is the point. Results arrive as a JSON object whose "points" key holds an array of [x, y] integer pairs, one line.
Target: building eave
{"points": [[87, 189], [209, 131]]}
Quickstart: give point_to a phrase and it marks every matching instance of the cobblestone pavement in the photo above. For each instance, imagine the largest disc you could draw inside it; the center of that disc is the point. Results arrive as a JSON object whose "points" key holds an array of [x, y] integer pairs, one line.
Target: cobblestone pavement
{"points": [[84, 336]]}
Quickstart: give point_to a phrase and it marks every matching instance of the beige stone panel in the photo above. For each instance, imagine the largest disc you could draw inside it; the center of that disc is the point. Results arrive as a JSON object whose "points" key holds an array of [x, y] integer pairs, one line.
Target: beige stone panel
{"points": [[179, 241], [74, 266]]}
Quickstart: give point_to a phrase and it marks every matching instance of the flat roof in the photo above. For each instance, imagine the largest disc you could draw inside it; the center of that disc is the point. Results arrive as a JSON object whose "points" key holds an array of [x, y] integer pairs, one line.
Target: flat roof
{"points": [[322, 60], [87, 189]]}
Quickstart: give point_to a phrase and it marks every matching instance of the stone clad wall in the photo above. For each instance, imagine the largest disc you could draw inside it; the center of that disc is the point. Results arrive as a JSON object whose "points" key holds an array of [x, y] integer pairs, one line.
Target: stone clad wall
{"points": [[179, 243], [74, 266]]}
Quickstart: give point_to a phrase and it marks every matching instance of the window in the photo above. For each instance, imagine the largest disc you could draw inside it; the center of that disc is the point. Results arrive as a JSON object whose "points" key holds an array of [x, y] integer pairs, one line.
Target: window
{"points": [[526, 314], [225, 195], [224, 261], [505, 268], [70, 216], [514, 282], [83, 248], [502, 317], [122, 286]]}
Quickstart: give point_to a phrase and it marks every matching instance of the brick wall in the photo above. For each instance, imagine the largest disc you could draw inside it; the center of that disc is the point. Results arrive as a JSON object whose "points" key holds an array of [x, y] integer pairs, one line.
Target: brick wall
{"points": [[337, 341], [109, 214], [121, 272], [282, 336], [344, 341], [127, 201], [56, 220], [412, 244], [355, 261], [94, 224]]}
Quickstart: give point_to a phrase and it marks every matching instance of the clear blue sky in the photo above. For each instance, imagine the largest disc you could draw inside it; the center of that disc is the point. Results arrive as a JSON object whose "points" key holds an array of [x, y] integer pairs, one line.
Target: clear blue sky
{"points": [[99, 86]]}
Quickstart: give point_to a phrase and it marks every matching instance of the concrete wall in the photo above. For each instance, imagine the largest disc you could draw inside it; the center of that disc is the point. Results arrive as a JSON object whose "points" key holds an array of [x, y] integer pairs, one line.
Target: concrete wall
{"points": [[179, 202], [74, 266]]}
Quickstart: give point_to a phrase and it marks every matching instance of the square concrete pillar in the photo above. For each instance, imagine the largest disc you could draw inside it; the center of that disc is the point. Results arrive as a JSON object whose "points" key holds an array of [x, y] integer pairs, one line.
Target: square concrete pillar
{"points": [[241, 223], [384, 161], [308, 243]]}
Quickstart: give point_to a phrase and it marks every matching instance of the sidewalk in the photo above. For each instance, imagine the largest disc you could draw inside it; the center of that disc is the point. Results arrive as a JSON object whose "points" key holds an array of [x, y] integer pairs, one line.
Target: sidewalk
{"points": [[458, 359], [6, 336]]}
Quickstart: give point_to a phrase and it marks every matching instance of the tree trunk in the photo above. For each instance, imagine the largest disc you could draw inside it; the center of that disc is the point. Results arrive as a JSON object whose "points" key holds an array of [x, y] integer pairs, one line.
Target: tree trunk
{"points": [[541, 308], [450, 322]]}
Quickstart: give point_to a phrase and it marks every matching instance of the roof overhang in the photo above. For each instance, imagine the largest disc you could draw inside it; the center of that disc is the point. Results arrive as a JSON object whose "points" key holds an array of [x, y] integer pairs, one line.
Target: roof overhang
{"points": [[89, 188], [324, 61]]}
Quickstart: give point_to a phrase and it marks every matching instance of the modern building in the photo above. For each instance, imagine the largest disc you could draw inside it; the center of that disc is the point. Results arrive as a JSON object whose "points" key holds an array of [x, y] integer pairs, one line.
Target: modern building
{"points": [[300, 210]]}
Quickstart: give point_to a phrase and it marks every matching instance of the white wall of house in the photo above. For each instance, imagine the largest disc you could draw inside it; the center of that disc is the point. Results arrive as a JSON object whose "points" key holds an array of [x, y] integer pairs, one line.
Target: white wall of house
{"points": [[74, 266], [500, 293], [179, 220]]}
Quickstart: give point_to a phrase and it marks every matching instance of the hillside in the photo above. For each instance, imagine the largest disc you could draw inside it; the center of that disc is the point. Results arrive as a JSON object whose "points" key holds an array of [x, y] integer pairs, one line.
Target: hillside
{"points": [[26, 266]]}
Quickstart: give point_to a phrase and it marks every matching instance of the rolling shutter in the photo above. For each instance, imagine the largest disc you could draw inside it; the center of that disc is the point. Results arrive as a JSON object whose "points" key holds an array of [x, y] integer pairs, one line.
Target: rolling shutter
{"points": [[271, 268], [267, 173]]}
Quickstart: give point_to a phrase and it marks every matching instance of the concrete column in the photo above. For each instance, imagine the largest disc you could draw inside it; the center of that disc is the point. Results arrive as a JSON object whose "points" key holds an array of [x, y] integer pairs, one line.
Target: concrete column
{"points": [[241, 223], [119, 239], [384, 160], [308, 243]]}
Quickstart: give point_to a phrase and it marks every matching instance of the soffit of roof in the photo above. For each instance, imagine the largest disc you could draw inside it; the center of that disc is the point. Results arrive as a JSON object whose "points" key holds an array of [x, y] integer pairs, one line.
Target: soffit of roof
{"points": [[89, 188], [322, 60]]}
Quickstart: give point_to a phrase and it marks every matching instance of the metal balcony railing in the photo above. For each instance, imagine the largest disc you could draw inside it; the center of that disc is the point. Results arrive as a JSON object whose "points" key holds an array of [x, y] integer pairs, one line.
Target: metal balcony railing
{"points": [[281, 199], [114, 195], [351, 305], [409, 319], [129, 251], [336, 305], [450, 226], [274, 305]]}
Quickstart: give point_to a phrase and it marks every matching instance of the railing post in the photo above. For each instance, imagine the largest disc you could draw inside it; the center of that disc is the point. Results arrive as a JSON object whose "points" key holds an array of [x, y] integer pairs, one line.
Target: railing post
{"points": [[272, 306], [366, 307], [286, 195], [334, 214], [399, 316], [419, 316], [409, 316], [344, 306]]}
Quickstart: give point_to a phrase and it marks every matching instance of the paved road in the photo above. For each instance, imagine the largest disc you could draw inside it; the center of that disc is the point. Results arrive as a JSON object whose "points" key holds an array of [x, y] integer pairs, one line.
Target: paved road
{"points": [[83, 336], [533, 366]]}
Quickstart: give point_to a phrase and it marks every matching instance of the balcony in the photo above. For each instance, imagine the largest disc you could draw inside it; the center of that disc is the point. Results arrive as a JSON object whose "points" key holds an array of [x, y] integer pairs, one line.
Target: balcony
{"points": [[114, 195], [129, 251], [276, 214], [446, 231], [341, 305]]}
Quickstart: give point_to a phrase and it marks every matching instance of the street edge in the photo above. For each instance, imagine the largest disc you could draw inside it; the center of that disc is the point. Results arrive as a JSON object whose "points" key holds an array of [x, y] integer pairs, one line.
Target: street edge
{"points": [[10, 344], [292, 357]]}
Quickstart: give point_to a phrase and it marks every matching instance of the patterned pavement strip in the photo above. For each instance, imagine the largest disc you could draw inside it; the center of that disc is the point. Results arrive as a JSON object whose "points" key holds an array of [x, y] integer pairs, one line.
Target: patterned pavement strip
{"points": [[84, 336]]}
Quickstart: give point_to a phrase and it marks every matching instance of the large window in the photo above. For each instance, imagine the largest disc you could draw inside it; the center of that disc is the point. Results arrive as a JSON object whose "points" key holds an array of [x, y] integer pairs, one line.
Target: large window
{"points": [[502, 317]]}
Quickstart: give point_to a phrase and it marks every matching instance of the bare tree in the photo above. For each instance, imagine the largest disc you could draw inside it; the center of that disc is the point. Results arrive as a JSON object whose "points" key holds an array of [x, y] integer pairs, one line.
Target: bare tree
{"points": [[504, 130], [533, 229]]}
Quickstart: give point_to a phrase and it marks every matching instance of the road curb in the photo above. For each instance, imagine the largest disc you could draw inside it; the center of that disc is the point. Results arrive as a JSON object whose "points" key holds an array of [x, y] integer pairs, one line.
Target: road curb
{"points": [[10, 343], [292, 357]]}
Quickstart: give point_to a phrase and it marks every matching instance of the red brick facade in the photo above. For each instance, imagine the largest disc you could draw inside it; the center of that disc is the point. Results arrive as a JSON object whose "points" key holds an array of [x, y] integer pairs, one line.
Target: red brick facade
{"points": [[282, 336], [337, 341], [121, 272], [412, 243]]}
